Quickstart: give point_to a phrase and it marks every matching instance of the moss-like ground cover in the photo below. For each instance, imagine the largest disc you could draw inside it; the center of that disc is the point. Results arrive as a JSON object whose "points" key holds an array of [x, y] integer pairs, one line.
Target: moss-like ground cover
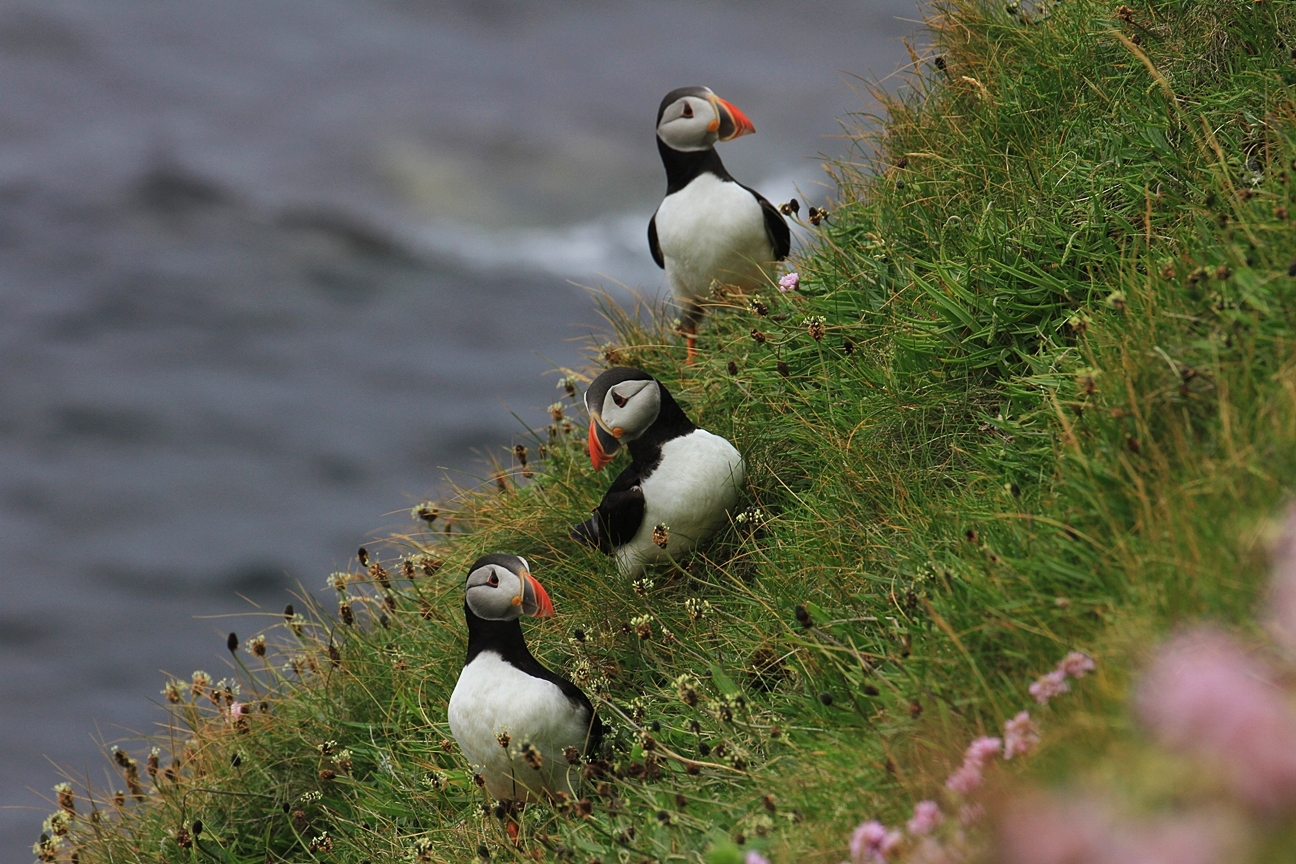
{"points": [[1036, 393]]}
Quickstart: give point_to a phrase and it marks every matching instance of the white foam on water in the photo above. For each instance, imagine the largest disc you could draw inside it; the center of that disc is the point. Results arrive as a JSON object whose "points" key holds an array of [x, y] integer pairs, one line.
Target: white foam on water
{"points": [[610, 250]]}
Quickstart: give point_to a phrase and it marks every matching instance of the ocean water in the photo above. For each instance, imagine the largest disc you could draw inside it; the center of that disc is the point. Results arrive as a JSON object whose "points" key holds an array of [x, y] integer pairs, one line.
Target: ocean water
{"points": [[270, 271]]}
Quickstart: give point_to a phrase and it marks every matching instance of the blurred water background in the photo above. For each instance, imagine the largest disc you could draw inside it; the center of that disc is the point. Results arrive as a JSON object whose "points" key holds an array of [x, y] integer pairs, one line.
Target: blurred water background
{"points": [[268, 268]]}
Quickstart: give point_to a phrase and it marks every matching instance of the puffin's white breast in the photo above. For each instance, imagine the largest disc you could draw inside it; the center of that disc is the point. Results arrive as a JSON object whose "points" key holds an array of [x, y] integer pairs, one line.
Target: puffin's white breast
{"points": [[692, 490], [493, 696], [712, 229]]}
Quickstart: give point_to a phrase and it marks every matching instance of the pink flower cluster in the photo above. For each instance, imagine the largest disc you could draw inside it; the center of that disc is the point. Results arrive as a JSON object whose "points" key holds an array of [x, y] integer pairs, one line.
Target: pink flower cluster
{"points": [[1204, 694], [754, 857], [1020, 735], [968, 776], [789, 282], [1073, 665], [1043, 829], [872, 843], [926, 816]]}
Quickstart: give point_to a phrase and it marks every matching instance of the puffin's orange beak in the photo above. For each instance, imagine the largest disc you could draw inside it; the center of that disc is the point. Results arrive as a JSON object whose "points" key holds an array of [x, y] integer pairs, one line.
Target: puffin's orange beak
{"points": [[733, 123], [600, 456], [535, 600]]}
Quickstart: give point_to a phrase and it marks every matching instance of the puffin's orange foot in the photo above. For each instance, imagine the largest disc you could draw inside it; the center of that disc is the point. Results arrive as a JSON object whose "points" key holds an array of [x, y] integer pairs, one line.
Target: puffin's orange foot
{"points": [[512, 828], [691, 339]]}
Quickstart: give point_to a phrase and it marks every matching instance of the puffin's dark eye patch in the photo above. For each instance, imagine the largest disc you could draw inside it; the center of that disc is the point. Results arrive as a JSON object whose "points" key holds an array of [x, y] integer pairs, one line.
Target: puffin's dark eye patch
{"points": [[493, 579], [618, 399], [688, 110]]}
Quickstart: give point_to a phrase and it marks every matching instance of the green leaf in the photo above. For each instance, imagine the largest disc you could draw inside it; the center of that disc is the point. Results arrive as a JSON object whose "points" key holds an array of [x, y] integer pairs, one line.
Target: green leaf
{"points": [[724, 852], [723, 681]]}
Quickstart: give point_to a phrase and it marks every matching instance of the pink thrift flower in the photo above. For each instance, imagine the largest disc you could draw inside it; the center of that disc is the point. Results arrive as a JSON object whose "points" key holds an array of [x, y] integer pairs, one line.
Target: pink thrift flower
{"points": [[236, 710], [754, 857], [982, 749], [965, 779], [1204, 694], [1020, 735], [872, 843], [927, 815], [1052, 684], [1047, 829], [789, 282], [1075, 665], [968, 776]]}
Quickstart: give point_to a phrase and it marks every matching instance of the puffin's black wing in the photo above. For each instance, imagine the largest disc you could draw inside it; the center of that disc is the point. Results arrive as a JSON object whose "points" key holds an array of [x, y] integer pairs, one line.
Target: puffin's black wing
{"points": [[653, 246], [776, 227], [617, 518]]}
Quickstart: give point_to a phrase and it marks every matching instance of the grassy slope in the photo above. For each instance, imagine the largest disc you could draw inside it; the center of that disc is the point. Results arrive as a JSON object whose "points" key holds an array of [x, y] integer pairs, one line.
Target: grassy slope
{"points": [[1053, 432]]}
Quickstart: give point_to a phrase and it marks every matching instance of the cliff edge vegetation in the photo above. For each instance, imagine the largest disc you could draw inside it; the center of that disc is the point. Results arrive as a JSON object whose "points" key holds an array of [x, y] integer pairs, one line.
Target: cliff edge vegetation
{"points": [[1034, 393]]}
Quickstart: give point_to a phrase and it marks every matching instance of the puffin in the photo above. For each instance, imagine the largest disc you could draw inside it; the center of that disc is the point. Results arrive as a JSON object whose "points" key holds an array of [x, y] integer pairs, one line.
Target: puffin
{"points": [[709, 227], [516, 721], [680, 485]]}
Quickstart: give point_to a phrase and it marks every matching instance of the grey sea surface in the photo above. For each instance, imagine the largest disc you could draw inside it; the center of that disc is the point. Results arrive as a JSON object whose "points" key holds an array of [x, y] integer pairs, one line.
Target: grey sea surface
{"points": [[269, 269]]}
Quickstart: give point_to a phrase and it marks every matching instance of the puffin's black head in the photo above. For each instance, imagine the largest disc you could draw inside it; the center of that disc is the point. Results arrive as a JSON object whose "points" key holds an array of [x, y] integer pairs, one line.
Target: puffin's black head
{"points": [[622, 404], [694, 118], [501, 588]]}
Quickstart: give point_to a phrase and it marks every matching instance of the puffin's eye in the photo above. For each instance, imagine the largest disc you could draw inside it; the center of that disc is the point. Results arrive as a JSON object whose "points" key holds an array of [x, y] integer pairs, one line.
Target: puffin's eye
{"points": [[688, 110], [493, 579], [618, 399]]}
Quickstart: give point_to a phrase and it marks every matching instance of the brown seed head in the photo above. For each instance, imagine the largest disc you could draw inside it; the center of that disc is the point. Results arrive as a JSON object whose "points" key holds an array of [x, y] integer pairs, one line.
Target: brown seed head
{"points": [[661, 535], [815, 327], [66, 798], [757, 336]]}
